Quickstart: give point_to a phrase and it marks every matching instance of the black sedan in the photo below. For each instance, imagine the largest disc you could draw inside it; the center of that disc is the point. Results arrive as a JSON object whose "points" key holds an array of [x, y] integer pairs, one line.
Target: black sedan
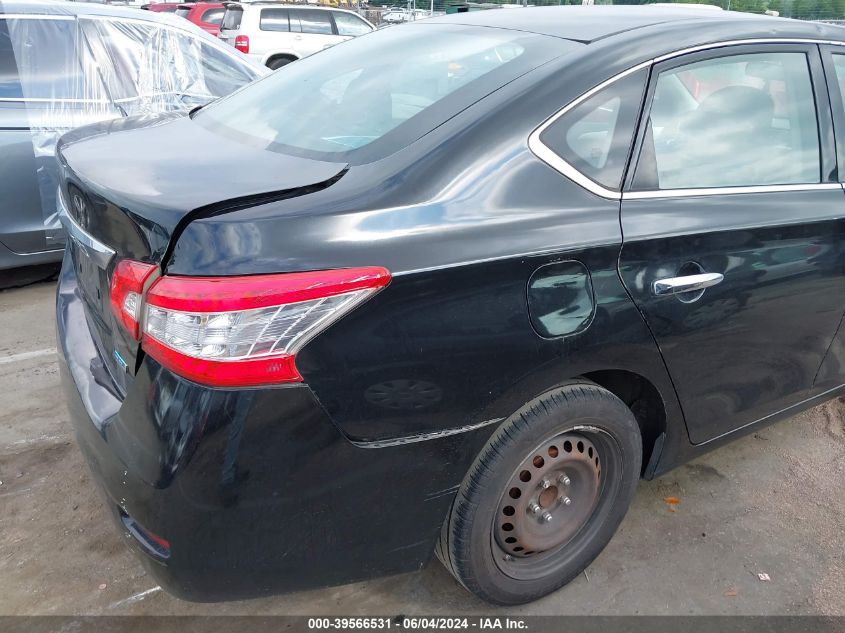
{"points": [[452, 287]]}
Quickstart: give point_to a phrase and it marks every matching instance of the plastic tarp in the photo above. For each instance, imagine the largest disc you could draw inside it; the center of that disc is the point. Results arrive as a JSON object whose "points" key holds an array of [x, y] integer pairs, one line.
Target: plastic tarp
{"points": [[74, 70]]}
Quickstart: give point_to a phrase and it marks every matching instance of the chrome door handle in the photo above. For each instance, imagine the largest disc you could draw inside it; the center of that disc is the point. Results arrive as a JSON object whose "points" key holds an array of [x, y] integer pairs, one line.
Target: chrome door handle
{"points": [[687, 283]]}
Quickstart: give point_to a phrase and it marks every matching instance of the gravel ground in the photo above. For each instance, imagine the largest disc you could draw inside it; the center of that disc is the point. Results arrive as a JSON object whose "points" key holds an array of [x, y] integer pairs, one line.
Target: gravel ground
{"points": [[770, 503]]}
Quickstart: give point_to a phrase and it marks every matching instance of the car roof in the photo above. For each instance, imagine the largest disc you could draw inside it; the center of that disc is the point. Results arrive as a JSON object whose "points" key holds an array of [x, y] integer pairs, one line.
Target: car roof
{"points": [[59, 7], [296, 5], [591, 23]]}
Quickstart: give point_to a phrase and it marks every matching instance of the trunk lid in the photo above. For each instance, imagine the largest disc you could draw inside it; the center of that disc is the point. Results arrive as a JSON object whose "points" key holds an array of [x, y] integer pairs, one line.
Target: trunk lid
{"points": [[129, 186]]}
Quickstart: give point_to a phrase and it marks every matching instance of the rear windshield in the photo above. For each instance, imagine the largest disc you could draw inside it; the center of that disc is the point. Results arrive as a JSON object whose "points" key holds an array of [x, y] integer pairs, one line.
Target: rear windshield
{"points": [[183, 11], [232, 19], [368, 97]]}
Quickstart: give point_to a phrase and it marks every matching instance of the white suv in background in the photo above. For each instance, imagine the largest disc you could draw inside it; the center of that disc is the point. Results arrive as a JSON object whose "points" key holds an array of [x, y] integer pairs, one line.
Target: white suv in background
{"points": [[276, 34]]}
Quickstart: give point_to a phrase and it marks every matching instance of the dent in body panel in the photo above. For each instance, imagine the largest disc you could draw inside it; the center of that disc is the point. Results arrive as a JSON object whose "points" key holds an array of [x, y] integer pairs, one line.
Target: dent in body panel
{"points": [[233, 482], [450, 342], [451, 347]]}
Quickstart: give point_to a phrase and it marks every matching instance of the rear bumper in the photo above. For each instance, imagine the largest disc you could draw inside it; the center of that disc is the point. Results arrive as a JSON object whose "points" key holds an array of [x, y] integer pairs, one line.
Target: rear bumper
{"points": [[254, 491]]}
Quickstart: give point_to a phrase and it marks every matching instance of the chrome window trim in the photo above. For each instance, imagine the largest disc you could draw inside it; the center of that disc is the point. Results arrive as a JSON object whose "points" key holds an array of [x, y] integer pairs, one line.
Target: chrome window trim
{"points": [[556, 162], [721, 191], [51, 100], [553, 160], [35, 16]]}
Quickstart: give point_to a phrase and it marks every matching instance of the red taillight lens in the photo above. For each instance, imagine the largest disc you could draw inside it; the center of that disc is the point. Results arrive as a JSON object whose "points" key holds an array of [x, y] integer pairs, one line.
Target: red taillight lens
{"points": [[245, 331], [126, 292], [242, 43]]}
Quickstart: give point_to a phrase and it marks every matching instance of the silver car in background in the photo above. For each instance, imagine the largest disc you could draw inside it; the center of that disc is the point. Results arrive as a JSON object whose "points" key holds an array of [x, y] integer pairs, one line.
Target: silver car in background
{"points": [[63, 65]]}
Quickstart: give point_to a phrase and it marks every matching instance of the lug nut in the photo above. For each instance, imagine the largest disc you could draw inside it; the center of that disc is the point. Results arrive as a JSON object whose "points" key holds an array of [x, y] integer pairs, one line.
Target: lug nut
{"points": [[547, 518], [565, 500], [534, 508], [564, 480], [545, 484]]}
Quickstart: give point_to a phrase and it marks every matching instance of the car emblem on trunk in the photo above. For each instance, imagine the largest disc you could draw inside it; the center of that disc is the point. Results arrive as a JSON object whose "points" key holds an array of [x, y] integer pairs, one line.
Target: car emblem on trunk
{"points": [[81, 210]]}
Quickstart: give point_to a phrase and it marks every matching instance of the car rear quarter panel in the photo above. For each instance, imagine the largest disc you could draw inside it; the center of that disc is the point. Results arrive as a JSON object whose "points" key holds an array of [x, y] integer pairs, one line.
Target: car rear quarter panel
{"points": [[462, 218]]}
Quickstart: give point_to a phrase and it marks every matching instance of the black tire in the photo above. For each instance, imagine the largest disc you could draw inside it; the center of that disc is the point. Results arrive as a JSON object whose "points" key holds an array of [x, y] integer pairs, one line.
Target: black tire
{"points": [[470, 543], [278, 62]]}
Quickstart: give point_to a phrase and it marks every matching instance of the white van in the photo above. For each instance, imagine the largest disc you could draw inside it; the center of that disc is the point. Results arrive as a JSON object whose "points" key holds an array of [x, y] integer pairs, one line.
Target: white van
{"points": [[276, 34]]}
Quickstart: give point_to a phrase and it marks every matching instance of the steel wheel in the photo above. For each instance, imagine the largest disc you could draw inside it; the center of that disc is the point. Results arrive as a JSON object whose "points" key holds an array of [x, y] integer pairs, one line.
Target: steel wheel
{"points": [[544, 495], [548, 500]]}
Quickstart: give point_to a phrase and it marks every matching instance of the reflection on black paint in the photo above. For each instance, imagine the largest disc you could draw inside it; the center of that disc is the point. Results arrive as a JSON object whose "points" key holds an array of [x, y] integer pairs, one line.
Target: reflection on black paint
{"points": [[560, 299]]}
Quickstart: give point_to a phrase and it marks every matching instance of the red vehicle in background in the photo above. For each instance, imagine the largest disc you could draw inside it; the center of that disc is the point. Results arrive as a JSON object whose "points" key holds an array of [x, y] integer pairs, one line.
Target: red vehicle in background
{"points": [[207, 15], [161, 7]]}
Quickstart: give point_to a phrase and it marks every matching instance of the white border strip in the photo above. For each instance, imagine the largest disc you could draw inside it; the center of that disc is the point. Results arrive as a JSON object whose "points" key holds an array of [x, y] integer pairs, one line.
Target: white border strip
{"points": [[15, 358], [553, 160], [720, 191]]}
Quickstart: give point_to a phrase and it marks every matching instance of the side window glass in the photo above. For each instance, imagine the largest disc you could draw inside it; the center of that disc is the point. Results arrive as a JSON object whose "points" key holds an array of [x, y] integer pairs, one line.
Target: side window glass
{"points": [[48, 61], [314, 21], [213, 16], [274, 20], [232, 19], [741, 120], [10, 85], [595, 136], [349, 24], [221, 74], [158, 69]]}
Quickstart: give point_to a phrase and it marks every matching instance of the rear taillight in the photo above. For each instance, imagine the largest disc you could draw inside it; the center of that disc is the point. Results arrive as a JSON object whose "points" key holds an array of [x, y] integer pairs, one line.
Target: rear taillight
{"points": [[242, 43], [126, 292], [245, 331]]}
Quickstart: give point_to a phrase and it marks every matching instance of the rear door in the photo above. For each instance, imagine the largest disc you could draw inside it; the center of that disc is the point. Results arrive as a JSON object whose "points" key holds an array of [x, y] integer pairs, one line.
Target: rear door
{"points": [[312, 30], [51, 87], [274, 33], [831, 374], [732, 230], [21, 225]]}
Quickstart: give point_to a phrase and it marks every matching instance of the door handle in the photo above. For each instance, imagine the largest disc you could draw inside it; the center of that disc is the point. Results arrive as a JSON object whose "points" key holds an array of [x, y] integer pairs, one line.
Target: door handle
{"points": [[687, 283]]}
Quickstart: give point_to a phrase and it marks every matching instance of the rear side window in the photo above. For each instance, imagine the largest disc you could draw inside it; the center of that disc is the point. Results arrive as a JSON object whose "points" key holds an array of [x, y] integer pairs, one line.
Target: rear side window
{"points": [[213, 16], [274, 20], [10, 85], [232, 19], [349, 24], [313, 21], [183, 12], [738, 120], [595, 136]]}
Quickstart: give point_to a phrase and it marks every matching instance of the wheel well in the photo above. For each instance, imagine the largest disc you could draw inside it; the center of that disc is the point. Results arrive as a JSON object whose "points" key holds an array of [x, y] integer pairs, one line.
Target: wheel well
{"points": [[273, 58], [642, 398]]}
